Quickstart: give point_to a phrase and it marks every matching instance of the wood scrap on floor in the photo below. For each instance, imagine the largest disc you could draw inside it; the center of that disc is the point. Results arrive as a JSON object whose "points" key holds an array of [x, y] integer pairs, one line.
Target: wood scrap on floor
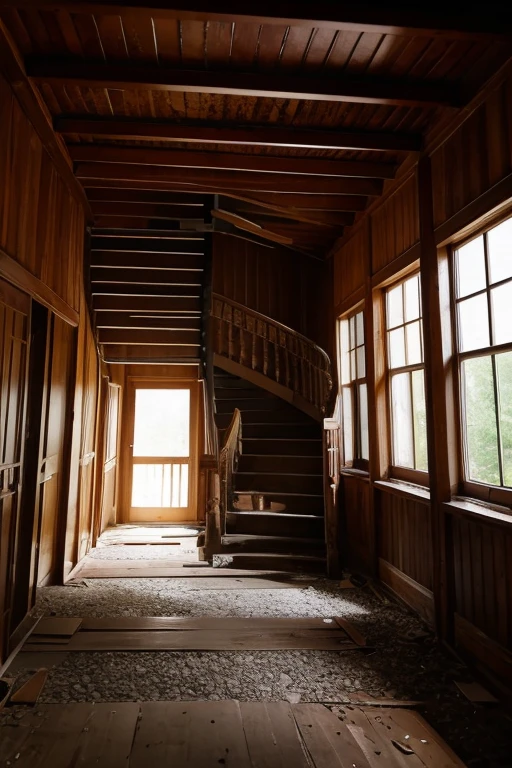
{"points": [[476, 693], [213, 733], [30, 691], [363, 699], [213, 634], [56, 626]]}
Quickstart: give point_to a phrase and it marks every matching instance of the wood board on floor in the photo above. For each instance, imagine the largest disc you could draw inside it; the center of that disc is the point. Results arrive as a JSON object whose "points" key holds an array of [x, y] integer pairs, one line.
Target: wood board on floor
{"points": [[151, 623], [209, 734], [56, 626], [92, 568], [205, 640]]}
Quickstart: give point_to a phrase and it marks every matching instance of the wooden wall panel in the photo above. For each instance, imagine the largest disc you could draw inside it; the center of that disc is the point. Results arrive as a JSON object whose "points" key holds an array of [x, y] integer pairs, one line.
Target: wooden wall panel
{"points": [[404, 538], [41, 224], [483, 578], [350, 266], [395, 225], [277, 282], [358, 523], [475, 157]]}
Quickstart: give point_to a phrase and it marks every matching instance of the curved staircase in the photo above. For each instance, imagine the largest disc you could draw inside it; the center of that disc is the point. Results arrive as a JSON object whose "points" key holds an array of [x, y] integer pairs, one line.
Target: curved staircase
{"points": [[276, 519]]}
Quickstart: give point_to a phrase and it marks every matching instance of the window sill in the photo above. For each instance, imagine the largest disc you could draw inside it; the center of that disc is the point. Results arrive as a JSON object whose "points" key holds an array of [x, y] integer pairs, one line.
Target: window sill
{"points": [[353, 472], [469, 508], [404, 490]]}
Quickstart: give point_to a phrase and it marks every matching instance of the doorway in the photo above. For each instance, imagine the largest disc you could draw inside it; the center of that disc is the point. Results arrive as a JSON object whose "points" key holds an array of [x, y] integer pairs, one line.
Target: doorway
{"points": [[162, 451]]}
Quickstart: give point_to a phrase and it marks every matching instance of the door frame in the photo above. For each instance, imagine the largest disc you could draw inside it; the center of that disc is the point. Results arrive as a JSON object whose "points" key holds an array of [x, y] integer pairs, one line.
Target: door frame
{"points": [[149, 382]]}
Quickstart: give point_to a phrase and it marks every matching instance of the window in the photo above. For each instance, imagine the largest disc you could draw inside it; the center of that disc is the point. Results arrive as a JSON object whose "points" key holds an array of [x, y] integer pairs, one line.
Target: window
{"points": [[406, 377], [483, 301], [353, 390]]}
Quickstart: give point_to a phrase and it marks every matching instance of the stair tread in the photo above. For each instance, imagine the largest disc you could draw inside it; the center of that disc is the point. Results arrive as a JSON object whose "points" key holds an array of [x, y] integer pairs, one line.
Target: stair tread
{"points": [[269, 513], [281, 474], [246, 492], [278, 556], [263, 537]]}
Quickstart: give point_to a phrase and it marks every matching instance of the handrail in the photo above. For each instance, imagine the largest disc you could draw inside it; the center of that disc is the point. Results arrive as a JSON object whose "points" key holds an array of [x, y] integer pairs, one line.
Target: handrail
{"points": [[229, 455], [269, 347]]}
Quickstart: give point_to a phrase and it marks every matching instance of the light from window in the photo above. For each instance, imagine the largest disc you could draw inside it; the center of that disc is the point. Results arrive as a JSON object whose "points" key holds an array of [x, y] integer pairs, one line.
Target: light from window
{"points": [[483, 283], [354, 392], [406, 374]]}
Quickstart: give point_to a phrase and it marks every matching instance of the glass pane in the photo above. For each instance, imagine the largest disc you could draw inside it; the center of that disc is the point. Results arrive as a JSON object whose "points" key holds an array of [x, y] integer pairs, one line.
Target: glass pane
{"points": [[501, 303], [499, 246], [473, 323], [396, 346], [504, 376], [419, 413], [413, 343], [480, 420], [353, 372], [348, 439], [361, 363], [359, 329], [363, 423], [412, 298], [395, 310], [162, 422], [352, 326], [345, 361], [151, 485], [470, 261], [401, 407]]}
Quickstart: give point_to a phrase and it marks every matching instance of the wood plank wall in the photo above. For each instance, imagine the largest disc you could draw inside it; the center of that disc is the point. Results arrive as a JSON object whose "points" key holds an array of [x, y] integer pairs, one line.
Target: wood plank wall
{"points": [[391, 535], [41, 246], [280, 283]]}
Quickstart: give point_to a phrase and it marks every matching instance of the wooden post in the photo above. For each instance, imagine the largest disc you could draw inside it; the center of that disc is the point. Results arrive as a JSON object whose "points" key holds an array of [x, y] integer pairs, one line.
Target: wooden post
{"points": [[437, 345], [374, 457]]}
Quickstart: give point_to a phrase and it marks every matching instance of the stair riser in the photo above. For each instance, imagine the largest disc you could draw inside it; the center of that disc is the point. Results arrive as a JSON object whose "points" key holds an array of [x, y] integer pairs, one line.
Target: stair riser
{"points": [[287, 547], [274, 447], [258, 404], [223, 418], [266, 483], [285, 431], [264, 525], [309, 465]]}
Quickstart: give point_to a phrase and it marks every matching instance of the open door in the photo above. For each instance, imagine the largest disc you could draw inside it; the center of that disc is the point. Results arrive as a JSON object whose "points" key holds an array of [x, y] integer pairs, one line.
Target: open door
{"points": [[162, 451]]}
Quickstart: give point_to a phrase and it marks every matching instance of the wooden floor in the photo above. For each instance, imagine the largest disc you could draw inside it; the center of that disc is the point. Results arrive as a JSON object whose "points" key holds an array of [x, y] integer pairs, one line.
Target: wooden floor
{"points": [[206, 734]]}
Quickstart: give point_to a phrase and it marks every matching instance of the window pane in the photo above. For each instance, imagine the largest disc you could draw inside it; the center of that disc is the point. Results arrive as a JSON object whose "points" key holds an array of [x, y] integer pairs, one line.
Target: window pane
{"points": [[473, 323], [401, 407], [412, 298], [348, 440], [359, 329], [413, 343], [501, 303], [395, 311], [363, 422], [162, 421], [352, 326], [420, 420], [471, 267], [353, 371], [504, 376], [480, 420], [361, 364], [345, 361], [499, 245], [396, 345], [151, 485]]}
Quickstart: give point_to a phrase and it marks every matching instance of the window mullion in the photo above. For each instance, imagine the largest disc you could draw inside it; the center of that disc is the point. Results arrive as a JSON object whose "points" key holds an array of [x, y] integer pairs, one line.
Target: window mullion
{"points": [[497, 415]]}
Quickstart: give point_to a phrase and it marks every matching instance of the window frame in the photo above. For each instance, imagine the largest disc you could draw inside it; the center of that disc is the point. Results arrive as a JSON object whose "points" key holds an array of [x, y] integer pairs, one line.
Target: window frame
{"points": [[357, 463], [396, 471], [484, 492]]}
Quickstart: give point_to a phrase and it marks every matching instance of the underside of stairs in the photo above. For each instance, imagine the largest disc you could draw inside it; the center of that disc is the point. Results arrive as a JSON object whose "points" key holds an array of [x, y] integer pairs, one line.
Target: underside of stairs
{"points": [[276, 521]]}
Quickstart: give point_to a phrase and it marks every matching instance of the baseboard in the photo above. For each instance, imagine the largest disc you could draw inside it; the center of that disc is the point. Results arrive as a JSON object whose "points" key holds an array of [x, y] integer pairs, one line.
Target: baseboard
{"points": [[417, 597], [488, 654]]}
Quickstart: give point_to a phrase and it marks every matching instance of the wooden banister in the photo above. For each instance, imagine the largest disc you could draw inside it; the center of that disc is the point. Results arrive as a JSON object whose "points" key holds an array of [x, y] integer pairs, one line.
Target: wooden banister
{"points": [[229, 455], [265, 346]]}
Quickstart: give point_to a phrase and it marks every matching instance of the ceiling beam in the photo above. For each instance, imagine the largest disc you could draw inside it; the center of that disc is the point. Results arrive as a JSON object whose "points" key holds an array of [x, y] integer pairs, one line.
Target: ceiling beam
{"points": [[136, 260], [146, 244], [149, 277], [36, 111], [113, 195], [317, 166], [411, 20], [161, 337], [250, 135], [346, 88], [148, 304], [319, 218], [168, 291], [127, 222], [300, 201], [147, 210], [220, 181]]}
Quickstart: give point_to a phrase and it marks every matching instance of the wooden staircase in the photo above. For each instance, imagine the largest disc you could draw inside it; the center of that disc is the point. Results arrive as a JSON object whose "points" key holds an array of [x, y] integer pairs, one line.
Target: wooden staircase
{"points": [[276, 519]]}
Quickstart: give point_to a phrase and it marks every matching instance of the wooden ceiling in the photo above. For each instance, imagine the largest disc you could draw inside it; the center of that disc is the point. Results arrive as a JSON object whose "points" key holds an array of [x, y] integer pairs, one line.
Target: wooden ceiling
{"points": [[293, 124]]}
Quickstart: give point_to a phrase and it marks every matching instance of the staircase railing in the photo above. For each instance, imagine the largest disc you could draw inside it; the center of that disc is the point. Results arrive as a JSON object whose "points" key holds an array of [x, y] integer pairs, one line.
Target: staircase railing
{"points": [[272, 349], [229, 455]]}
